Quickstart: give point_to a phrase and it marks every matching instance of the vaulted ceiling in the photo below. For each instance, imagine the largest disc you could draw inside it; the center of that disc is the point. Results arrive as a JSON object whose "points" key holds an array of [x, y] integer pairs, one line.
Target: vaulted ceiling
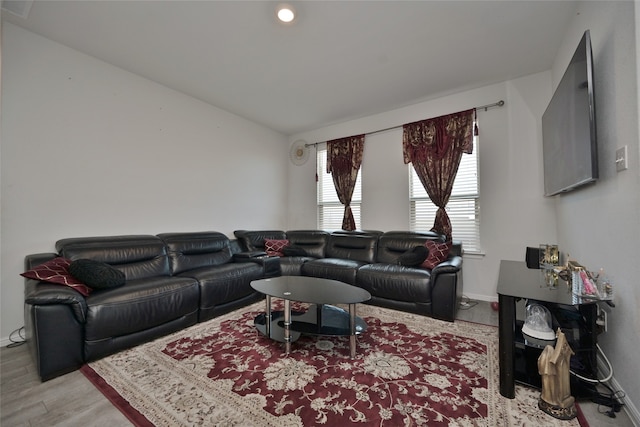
{"points": [[338, 61]]}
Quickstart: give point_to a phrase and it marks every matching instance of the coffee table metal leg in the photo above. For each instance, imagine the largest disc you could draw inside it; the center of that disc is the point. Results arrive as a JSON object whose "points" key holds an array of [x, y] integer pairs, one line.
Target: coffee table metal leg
{"points": [[319, 315], [352, 330], [267, 319], [287, 326]]}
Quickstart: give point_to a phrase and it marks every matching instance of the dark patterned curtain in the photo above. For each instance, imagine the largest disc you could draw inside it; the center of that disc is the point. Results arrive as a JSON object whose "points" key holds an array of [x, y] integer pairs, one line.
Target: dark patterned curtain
{"points": [[344, 157], [434, 147]]}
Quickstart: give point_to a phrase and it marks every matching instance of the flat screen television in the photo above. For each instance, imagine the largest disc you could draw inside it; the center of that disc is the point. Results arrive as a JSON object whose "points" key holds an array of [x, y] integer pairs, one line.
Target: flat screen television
{"points": [[569, 143]]}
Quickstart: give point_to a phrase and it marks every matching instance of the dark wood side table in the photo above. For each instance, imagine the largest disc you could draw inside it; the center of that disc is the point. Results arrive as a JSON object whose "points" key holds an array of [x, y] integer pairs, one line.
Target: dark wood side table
{"points": [[515, 282]]}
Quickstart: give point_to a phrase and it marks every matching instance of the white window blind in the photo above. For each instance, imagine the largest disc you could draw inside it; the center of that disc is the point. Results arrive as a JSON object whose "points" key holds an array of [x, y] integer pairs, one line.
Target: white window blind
{"points": [[463, 207], [330, 210]]}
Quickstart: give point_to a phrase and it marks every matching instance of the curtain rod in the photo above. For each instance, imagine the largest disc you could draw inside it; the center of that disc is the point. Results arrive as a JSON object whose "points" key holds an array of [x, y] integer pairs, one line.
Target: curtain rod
{"points": [[482, 107]]}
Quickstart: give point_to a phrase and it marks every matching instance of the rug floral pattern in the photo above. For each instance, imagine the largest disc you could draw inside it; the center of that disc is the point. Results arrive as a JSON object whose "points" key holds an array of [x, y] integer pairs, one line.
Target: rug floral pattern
{"points": [[409, 371]]}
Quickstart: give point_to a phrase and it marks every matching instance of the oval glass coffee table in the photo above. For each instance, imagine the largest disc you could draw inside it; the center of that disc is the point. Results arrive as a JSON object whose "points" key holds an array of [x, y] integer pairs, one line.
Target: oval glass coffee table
{"points": [[321, 318]]}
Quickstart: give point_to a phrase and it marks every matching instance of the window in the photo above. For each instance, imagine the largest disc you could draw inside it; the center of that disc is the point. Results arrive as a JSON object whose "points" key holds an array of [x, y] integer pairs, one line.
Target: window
{"points": [[330, 210], [463, 207]]}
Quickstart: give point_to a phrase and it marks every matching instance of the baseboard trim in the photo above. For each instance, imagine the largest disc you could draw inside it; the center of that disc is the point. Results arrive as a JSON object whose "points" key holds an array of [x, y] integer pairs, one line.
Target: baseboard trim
{"points": [[5, 342], [479, 297], [629, 408]]}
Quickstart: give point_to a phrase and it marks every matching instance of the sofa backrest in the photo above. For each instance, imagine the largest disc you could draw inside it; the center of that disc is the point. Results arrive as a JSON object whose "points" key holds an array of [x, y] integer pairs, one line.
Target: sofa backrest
{"points": [[356, 247], [253, 240], [314, 242], [394, 243], [137, 256], [358, 232], [188, 251]]}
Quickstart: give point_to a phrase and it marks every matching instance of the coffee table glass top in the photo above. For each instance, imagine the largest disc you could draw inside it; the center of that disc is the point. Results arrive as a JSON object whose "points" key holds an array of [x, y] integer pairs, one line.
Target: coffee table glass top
{"points": [[311, 289]]}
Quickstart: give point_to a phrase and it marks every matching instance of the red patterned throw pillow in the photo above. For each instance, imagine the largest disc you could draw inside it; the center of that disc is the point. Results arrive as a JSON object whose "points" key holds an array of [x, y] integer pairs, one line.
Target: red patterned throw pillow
{"points": [[438, 252], [57, 271], [274, 247]]}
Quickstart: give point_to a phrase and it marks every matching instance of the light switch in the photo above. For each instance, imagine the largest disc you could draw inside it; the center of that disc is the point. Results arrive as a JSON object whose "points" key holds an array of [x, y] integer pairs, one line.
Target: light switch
{"points": [[621, 159]]}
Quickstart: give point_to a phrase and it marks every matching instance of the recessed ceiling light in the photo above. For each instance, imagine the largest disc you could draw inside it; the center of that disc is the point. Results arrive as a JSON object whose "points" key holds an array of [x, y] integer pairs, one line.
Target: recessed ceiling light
{"points": [[286, 13]]}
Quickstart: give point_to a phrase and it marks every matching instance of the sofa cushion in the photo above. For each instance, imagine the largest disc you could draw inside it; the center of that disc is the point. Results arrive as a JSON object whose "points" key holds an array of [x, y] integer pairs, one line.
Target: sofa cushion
{"points": [[395, 282], [274, 247], [139, 305], [96, 274], [292, 265], [413, 257], [224, 283], [57, 271], [343, 270], [438, 252]]}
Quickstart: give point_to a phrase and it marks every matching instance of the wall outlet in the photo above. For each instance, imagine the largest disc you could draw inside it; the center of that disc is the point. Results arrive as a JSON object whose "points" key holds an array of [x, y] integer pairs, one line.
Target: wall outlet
{"points": [[621, 159]]}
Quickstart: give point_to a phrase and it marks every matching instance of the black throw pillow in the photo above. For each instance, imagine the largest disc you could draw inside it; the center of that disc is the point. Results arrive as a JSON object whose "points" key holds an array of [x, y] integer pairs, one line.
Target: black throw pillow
{"points": [[96, 274], [414, 256], [294, 251]]}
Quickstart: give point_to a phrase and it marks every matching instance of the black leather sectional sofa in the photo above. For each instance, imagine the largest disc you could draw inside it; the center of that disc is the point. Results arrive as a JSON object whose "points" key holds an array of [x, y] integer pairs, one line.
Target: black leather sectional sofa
{"points": [[174, 280]]}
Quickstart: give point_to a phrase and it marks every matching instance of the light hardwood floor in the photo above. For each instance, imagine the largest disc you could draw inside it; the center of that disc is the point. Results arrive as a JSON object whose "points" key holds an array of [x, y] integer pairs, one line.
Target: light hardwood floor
{"points": [[71, 400]]}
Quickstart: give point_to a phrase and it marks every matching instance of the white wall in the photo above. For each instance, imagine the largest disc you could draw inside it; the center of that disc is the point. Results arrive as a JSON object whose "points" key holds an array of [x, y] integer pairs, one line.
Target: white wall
{"points": [[89, 149], [514, 214], [600, 225]]}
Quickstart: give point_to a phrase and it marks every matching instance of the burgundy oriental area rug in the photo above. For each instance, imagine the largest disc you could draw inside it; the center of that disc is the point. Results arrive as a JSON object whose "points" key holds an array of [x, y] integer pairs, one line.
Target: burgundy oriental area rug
{"points": [[410, 370]]}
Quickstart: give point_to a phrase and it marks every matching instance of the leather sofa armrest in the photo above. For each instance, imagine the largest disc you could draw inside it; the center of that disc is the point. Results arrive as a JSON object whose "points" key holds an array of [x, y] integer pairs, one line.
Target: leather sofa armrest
{"points": [[54, 317], [446, 288], [451, 265], [41, 293]]}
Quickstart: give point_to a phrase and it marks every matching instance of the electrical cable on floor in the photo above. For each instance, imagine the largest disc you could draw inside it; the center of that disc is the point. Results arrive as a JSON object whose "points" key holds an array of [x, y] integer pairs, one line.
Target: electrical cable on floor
{"points": [[466, 303], [611, 399], [16, 343]]}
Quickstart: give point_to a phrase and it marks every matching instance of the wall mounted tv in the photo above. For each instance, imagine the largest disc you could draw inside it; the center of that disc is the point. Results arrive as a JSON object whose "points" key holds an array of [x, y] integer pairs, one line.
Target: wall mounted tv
{"points": [[569, 144]]}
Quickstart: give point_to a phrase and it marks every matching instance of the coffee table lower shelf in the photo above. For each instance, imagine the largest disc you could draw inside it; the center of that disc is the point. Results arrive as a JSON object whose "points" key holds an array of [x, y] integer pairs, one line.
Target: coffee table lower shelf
{"points": [[319, 319]]}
